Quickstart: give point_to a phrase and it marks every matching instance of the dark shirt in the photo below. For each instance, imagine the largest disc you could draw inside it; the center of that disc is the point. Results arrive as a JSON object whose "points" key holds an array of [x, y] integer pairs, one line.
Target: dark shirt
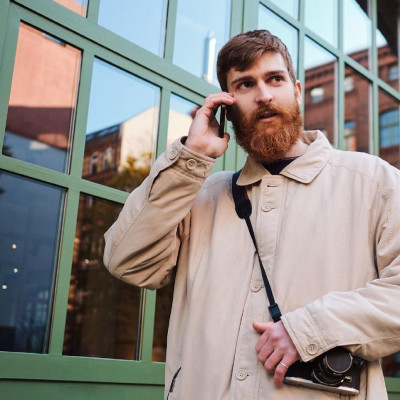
{"points": [[276, 167]]}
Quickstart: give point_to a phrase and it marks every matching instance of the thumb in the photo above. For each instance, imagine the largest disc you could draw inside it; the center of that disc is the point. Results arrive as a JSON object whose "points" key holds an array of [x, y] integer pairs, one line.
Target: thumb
{"points": [[261, 327]]}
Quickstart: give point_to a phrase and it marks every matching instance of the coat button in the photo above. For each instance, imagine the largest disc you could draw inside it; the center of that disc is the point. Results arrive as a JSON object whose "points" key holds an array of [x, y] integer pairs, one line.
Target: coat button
{"points": [[241, 375], [256, 286], [172, 154], [312, 349], [266, 207], [191, 164]]}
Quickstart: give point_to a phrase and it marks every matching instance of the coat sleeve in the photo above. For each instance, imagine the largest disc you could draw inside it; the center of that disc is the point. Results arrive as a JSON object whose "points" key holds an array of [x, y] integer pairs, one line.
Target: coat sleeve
{"points": [[142, 246], [365, 320]]}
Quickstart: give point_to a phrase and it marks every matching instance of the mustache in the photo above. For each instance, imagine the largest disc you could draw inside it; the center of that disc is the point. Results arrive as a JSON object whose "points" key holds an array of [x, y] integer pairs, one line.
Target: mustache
{"points": [[263, 110], [235, 112]]}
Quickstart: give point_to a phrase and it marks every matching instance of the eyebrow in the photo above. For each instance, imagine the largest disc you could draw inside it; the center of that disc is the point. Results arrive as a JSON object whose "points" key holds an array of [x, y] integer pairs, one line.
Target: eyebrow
{"points": [[267, 75]]}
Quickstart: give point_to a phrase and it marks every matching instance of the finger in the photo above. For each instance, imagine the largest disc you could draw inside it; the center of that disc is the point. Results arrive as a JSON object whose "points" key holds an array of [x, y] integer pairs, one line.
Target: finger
{"points": [[262, 341], [213, 101], [280, 372], [272, 362], [261, 327], [264, 353]]}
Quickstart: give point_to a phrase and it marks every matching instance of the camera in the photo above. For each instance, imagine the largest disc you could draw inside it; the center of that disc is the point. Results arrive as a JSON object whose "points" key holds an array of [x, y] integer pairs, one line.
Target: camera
{"points": [[335, 371]]}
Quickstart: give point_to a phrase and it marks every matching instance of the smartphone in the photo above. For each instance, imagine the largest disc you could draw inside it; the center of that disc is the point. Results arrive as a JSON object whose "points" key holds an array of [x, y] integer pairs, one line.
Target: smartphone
{"points": [[222, 117]]}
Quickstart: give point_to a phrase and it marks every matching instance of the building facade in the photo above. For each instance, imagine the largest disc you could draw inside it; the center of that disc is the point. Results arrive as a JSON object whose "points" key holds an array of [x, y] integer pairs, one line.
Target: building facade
{"points": [[91, 92]]}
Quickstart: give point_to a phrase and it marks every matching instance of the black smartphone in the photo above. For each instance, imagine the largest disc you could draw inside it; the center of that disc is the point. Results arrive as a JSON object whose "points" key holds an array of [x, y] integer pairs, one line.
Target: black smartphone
{"points": [[222, 116]]}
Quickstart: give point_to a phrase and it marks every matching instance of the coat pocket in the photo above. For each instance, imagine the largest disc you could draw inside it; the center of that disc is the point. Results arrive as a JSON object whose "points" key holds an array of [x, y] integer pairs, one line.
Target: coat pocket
{"points": [[173, 381]]}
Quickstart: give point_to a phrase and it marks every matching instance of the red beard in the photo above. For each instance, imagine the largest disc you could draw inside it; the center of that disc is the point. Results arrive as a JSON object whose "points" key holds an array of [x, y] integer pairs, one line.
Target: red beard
{"points": [[268, 141]]}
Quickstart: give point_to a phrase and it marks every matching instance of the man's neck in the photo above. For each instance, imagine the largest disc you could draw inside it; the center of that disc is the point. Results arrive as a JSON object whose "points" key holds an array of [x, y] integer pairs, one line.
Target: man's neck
{"points": [[297, 150]]}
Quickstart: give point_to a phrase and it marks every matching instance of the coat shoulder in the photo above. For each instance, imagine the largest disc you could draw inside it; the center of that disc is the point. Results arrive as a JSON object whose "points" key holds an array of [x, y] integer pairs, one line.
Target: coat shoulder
{"points": [[364, 164]]}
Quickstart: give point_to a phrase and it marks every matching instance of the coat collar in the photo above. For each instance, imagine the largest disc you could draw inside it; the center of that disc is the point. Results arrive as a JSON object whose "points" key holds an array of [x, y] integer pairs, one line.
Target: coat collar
{"points": [[304, 169]]}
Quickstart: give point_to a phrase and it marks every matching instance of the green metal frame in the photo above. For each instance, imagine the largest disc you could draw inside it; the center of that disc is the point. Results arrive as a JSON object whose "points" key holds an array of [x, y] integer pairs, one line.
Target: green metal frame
{"points": [[44, 375]]}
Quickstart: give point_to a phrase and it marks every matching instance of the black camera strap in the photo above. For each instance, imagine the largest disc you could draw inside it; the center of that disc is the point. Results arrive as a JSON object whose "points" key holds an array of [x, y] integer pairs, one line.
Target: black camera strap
{"points": [[243, 210]]}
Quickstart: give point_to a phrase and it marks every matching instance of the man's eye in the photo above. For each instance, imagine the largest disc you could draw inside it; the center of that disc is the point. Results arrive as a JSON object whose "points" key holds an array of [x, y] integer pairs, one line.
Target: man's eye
{"points": [[245, 85], [277, 79]]}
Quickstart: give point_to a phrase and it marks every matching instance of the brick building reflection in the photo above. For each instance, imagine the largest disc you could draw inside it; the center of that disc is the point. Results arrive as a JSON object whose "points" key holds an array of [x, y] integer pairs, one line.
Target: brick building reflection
{"points": [[320, 105]]}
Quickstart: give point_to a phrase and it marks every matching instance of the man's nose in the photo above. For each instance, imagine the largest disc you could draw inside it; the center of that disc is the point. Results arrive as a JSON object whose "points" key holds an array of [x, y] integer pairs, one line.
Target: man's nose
{"points": [[264, 94]]}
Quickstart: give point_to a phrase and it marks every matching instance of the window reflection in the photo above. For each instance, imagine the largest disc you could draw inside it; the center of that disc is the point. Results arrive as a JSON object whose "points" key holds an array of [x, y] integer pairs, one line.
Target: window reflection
{"points": [[387, 41], [357, 31], [103, 312], [28, 261], [202, 28], [43, 100], [122, 126], [322, 18], [277, 26], [181, 115], [389, 129], [141, 22], [161, 321], [320, 90], [289, 6], [357, 113], [391, 365], [77, 6]]}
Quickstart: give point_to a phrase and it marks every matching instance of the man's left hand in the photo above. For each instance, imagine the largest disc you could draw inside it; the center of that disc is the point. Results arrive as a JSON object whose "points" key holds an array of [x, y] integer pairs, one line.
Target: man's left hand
{"points": [[275, 349]]}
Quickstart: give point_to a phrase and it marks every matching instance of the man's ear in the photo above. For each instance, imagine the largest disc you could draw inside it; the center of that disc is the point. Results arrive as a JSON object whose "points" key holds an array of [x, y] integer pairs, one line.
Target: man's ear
{"points": [[298, 92]]}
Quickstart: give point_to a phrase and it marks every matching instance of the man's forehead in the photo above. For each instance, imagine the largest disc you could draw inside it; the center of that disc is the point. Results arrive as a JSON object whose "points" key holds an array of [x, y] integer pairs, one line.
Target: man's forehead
{"points": [[269, 61]]}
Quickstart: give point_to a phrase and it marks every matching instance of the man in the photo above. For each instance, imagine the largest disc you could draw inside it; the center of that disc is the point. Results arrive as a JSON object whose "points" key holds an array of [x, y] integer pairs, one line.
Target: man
{"points": [[327, 225]]}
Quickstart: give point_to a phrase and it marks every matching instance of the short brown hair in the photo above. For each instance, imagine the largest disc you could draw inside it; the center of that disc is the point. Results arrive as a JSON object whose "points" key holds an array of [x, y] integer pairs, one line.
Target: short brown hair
{"points": [[244, 49]]}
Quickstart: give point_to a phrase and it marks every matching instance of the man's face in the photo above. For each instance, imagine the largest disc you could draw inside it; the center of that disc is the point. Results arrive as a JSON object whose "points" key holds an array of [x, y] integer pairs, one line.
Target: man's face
{"points": [[266, 117]]}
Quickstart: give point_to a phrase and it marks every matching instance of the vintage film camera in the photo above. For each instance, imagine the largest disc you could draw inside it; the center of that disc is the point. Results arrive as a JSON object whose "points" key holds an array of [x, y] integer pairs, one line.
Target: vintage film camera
{"points": [[335, 371]]}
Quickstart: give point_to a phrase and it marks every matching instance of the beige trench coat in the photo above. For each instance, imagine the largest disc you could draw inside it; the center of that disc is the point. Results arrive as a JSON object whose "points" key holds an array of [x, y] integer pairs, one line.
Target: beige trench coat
{"points": [[328, 229]]}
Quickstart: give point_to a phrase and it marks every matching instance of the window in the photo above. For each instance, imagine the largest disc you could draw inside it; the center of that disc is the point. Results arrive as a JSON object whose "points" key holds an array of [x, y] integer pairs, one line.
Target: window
{"points": [[348, 83], [94, 164], [43, 97], [389, 128], [350, 140], [108, 159], [393, 73], [317, 94]]}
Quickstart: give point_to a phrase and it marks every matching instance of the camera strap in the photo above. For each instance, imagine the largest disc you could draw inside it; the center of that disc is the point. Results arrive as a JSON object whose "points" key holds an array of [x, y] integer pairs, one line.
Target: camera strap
{"points": [[243, 210]]}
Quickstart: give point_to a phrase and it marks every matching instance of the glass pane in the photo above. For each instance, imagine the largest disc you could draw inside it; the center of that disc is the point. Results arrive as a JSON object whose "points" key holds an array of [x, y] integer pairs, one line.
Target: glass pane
{"points": [[78, 6], [387, 38], [357, 31], [357, 129], [277, 26], [42, 103], [161, 321], [141, 22], [28, 261], [391, 366], [102, 316], [202, 28], [181, 115], [320, 90], [389, 130], [322, 18], [289, 6], [122, 127]]}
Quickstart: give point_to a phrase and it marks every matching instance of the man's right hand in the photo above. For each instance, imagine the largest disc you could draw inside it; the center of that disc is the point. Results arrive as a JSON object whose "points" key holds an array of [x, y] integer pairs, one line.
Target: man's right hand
{"points": [[203, 135]]}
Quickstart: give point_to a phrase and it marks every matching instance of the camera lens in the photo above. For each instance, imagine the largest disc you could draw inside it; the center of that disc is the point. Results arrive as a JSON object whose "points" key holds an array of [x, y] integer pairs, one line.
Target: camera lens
{"points": [[330, 369]]}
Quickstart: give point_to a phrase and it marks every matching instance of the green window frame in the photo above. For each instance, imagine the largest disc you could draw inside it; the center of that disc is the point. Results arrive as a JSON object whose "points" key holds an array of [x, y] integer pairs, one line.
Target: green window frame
{"points": [[22, 374]]}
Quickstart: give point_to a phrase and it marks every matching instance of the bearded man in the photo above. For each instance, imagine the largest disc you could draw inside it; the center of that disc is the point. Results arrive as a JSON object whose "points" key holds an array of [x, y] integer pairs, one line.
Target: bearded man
{"points": [[327, 225]]}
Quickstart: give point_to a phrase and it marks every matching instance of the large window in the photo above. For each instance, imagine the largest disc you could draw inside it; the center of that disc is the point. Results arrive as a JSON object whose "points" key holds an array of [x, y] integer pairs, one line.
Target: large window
{"points": [[92, 91]]}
